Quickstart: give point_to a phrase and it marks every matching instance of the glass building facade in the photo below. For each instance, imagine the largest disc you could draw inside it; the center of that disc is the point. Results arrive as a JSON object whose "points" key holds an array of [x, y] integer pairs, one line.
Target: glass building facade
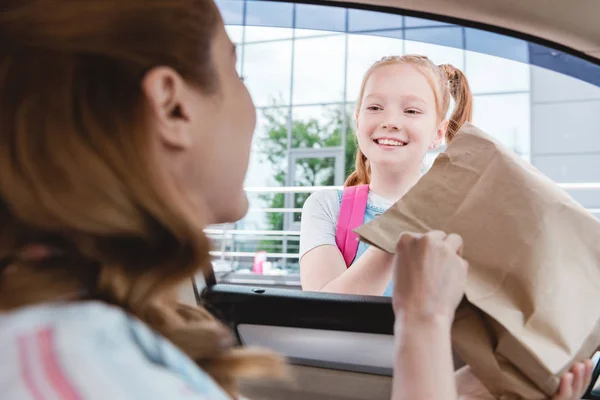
{"points": [[303, 65]]}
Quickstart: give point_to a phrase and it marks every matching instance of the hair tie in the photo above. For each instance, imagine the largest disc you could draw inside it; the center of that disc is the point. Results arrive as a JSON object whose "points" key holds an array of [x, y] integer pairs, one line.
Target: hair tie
{"points": [[31, 252]]}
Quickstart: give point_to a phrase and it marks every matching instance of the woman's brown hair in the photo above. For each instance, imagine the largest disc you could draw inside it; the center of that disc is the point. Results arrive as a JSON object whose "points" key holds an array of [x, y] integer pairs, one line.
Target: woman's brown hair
{"points": [[77, 172], [445, 80]]}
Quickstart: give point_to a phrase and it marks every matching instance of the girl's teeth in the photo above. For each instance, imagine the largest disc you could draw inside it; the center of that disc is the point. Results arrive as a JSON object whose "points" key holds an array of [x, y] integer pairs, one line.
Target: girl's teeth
{"points": [[388, 142]]}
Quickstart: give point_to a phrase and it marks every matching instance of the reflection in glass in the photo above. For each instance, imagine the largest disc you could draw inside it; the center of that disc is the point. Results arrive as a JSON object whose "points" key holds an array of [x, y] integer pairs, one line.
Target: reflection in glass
{"points": [[506, 117], [319, 70], [267, 72], [363, 51], [489, 74], [317, 127]]}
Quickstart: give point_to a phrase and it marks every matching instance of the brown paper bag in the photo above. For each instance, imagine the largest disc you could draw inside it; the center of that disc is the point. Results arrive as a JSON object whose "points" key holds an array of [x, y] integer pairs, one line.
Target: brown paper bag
{"points": [[533, 288]]}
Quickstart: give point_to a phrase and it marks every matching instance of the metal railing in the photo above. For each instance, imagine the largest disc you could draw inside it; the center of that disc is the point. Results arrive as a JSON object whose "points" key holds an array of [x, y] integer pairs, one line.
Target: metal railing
{"points": [[228, 237]]}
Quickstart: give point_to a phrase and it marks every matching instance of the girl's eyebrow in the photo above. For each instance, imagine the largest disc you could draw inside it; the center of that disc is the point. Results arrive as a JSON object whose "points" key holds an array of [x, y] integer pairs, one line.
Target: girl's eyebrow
{"points": [[409, 97], [412, 97]]}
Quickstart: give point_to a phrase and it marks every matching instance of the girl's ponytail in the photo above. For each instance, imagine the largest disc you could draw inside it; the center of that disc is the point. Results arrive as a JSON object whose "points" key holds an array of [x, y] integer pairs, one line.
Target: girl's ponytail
{"points": [[362, 171], [463, 98]]}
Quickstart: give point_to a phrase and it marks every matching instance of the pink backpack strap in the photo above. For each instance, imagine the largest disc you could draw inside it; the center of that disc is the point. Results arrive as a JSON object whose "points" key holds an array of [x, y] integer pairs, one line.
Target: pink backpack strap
{"points": [[352, 215]]}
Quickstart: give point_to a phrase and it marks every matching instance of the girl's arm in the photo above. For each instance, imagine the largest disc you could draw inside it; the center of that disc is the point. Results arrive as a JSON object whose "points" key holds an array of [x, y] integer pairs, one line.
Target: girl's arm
{"points": [[322, 266]]}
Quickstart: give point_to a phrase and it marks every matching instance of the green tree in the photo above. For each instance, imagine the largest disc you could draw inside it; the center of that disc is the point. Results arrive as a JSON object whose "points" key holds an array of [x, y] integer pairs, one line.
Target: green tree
{"points": [[311, 133]]}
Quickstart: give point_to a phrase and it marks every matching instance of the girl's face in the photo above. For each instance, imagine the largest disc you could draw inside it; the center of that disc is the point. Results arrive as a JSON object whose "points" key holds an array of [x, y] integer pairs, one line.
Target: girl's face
{"points": [[397, 121]]}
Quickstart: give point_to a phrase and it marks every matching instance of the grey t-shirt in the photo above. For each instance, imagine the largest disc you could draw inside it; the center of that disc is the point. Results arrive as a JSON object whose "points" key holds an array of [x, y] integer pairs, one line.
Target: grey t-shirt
{"points": [[319, 217]]}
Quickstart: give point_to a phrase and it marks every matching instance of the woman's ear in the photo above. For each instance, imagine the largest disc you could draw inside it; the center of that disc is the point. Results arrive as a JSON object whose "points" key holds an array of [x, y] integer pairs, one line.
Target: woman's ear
{"points": [[165, 91]]}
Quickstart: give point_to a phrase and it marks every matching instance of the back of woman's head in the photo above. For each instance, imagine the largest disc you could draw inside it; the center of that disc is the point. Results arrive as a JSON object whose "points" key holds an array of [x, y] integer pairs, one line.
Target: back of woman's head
{"points": [[445, 80], [77, 169]]}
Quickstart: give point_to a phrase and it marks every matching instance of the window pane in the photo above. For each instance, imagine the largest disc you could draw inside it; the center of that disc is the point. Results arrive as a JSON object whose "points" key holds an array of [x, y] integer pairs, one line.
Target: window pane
{"points": [[312, 171], [430, 157], [302, 33], [232, 11], [451, 37], [268, 86], [268, 158], [363, 51], [239, 51], [320, 18], [268, 166], [269, 13], [437, 54], [351, 141], [412, 22], [490, 74], [235, 33], [564, 63], [317, 126], [319, 70], [567, 127], [264, 33], [361, 20], [552, 87], [496, 45], [507, 118]]}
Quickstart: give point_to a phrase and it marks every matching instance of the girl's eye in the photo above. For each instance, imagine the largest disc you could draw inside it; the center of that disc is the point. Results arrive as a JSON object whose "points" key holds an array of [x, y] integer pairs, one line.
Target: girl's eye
{"points": [[413, 111], [374, 108]]}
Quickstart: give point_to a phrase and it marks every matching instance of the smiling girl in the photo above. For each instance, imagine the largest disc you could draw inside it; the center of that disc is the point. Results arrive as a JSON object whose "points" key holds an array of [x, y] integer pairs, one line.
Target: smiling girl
{"points": [[400, 115]]}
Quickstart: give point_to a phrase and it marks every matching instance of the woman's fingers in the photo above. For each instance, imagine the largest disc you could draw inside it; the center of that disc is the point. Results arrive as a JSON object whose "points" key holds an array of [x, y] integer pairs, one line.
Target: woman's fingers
{"points": [[455, 241]]}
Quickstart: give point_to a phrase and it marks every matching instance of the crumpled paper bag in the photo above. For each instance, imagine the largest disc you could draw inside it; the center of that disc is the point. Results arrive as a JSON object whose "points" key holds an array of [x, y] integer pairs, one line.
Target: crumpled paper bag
{"points": [[532, 304]]}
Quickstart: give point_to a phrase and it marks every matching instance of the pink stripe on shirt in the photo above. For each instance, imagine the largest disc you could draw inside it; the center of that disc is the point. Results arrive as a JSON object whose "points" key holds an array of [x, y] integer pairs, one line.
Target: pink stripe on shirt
{"points": [[26, 369], [59, 381]]}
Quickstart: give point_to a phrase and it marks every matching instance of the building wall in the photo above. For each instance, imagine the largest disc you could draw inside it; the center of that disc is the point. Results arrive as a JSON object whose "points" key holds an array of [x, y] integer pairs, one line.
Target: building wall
{"points": [[565, 131]]}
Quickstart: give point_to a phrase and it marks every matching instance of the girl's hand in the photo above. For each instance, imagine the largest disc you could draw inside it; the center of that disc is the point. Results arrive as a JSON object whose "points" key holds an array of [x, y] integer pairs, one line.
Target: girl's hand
{"points": [[572, 385]]}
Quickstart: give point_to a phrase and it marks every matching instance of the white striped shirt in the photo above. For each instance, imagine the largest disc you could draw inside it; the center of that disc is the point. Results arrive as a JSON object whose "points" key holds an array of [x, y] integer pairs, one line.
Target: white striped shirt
{"points": [[93, 351]]}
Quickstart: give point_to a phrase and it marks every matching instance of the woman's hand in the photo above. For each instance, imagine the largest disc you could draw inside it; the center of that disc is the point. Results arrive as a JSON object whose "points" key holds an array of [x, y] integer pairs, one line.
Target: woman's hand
{"points": [[573, 384], [429, 282], [429, 275]]}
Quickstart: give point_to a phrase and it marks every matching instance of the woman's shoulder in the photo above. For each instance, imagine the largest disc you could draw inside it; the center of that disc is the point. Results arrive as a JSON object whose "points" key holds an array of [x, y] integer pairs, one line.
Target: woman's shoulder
{"points": [[45, 348]]}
